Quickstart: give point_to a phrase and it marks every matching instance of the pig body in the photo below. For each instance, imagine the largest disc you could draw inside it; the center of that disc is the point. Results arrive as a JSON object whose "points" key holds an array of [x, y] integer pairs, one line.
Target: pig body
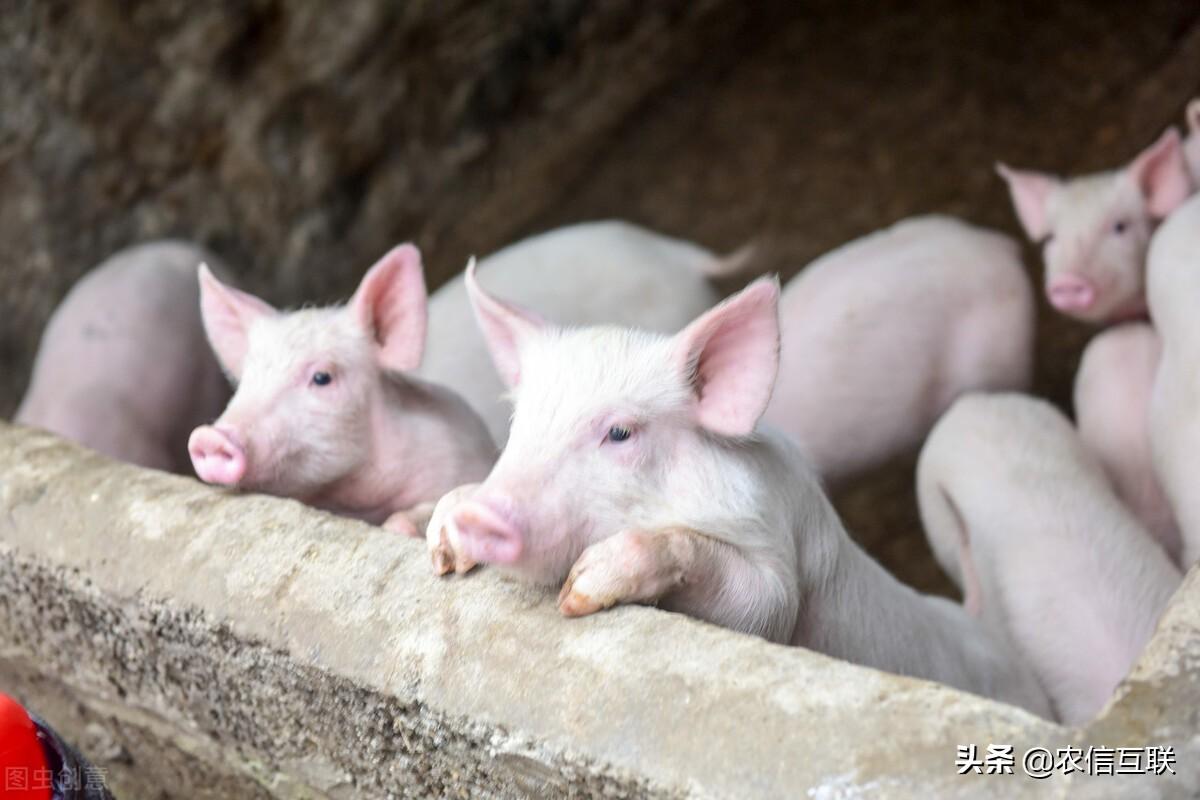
{"points": [[1112, 412], [593, 273], [327, 410], [1096, 228], [1025, 521], [1173, 287], [882, 334], [123, 366], [634, 474]]}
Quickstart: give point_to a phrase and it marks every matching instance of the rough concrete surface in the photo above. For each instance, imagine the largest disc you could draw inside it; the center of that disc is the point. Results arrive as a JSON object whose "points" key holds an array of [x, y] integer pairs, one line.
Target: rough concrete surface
{"points": [[203, 644]]}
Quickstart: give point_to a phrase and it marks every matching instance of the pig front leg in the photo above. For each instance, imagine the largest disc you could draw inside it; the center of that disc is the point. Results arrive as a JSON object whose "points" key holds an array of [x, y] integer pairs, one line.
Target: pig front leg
{"points": [[411, 522], [687, 571], [441, 534]]}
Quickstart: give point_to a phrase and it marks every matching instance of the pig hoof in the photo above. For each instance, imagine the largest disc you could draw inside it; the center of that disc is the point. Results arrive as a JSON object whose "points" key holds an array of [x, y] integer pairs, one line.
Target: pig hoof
{"points": [[574, 603], [578, 605], [443, 560], [401, 524]]}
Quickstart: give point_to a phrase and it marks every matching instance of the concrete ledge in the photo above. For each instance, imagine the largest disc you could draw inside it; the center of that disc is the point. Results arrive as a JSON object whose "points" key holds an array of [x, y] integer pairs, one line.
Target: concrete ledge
{"points": [[211, 645]]}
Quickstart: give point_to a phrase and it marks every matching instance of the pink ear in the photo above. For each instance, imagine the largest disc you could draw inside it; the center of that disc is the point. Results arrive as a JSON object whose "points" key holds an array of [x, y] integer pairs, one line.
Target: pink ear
{"points": [[730, 355], [390, 303], [1161, 172], [228, 314], [1030, 193], [504, 328]]}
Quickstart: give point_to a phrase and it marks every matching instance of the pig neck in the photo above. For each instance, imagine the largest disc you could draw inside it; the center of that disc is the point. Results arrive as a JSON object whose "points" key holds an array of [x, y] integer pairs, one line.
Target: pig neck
{"points": [[854, 609], [424, 441]]}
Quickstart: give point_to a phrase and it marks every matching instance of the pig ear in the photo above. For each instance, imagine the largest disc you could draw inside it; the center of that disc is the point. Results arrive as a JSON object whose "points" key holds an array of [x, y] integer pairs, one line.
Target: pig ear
{"points": [[228, 314], [390, 303], [505, 328], [1161, 172], [1192, 114], [1030, 193], [730, 356]]}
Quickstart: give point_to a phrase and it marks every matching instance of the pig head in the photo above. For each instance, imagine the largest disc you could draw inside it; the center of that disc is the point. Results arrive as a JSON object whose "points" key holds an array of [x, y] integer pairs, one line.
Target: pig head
{"points": [[310, 384], [613, 428], [1096, 229]]}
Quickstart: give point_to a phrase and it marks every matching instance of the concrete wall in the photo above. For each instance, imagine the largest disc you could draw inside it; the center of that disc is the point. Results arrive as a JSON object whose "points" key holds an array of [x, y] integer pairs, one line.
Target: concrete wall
{"points": [[200, 644]]}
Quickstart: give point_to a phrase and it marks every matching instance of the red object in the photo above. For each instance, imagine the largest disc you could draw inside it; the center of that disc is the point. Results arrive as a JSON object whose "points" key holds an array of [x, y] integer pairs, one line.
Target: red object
{"points": [[24, 774]]}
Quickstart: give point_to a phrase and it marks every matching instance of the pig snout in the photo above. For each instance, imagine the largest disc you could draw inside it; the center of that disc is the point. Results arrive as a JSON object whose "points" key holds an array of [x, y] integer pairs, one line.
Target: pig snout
{"points": [[217, 455], [1071, 293], [489, 531]]}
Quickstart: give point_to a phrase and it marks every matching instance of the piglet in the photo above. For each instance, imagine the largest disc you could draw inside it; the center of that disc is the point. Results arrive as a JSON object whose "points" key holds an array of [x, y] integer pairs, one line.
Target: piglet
{"points": [[634, 474], [1112, 412], [1025, 522], [327, 410], [587, 274], [882, 334], [1096, 228], [123, 367], [1173, 289]]}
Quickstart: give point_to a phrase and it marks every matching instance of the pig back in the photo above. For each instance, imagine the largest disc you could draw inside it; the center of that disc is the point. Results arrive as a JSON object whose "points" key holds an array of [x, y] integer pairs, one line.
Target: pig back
{"points": [[879, 336], [123, 365]]}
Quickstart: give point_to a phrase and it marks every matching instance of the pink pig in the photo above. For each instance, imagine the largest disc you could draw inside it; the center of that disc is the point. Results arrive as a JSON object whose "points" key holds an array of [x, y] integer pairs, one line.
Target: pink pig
{"points": [[1025, 521], [1173, 290], [327, 409], [1096, 228], [1112, 412], [633, 473], [123, 367], [880, 336]]}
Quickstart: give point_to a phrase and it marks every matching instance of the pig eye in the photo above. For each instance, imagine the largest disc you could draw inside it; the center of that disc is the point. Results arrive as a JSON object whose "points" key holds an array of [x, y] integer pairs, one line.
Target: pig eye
{"points": [[1120, 226], [619, 433], [322, 379]]}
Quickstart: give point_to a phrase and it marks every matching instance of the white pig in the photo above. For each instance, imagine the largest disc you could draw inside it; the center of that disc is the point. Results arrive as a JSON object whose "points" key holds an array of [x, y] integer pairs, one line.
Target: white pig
{"points": [[880, 336], [593, 273], [1025, 522], [1096, 228], [634, 474], [1174, 293], [327, 410], [1112, 412], [123, 367]]}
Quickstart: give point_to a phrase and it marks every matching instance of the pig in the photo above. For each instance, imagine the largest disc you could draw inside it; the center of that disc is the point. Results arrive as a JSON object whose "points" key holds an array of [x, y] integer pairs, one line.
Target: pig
{"points": [[1024, 520], [1191, 145], [1096, 228], [881, 334], [123, 367], [635, 473], [327, 409], [1112, 413], [1173, 289], [585, 274]]}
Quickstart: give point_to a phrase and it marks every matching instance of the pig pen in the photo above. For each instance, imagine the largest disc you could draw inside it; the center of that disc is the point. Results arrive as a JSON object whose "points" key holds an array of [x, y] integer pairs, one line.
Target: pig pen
{"points": [[199, 644]]}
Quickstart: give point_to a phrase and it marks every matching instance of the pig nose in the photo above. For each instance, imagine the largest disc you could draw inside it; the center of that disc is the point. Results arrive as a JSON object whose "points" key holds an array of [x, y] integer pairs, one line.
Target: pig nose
{"points": [[487, 532], [217, 456], [1071, 293]]}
